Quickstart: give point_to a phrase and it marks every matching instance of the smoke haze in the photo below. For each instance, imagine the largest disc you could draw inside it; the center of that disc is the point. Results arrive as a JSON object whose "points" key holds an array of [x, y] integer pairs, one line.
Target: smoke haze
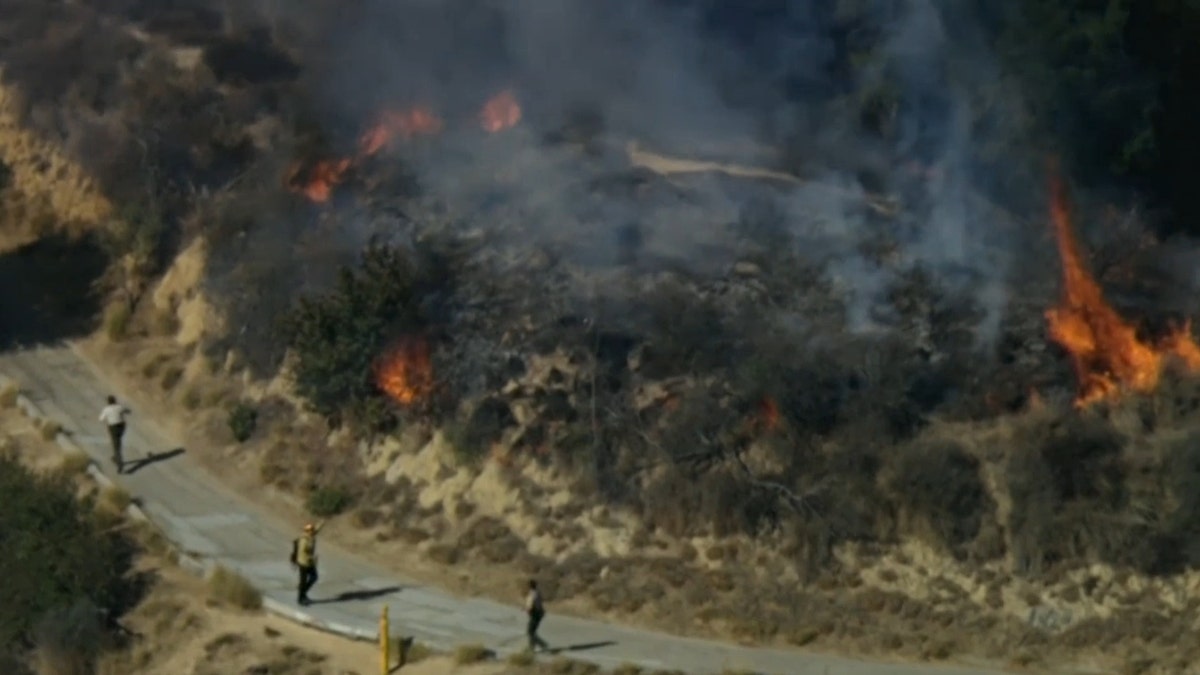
{"points": [[699, 79]]}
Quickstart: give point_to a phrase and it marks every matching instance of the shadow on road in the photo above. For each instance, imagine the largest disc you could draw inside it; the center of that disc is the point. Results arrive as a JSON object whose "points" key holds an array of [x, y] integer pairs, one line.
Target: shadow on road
{"points": [[350, 596], [138, 464], [581, 647]]}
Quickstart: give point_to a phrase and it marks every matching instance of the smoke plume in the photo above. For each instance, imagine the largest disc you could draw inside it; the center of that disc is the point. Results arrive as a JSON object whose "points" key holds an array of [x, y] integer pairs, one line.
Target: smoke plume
{"points": [[711, 80]]}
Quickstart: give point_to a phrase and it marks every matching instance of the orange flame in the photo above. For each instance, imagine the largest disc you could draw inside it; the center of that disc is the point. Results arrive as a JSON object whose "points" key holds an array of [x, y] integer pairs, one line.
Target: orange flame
{"points": [[403, 124], [405, 371], [500, 112], [1105, 350], [768, 414], [318, 180]]}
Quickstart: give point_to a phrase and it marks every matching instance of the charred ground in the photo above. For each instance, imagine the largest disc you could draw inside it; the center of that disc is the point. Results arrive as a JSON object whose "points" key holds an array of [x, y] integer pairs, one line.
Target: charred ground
{"points": [[783, 379]]}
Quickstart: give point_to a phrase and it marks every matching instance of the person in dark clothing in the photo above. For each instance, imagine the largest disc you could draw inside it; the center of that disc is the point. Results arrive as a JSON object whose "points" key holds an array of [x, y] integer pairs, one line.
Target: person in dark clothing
{"points": [[536, 612], [113, 416]]}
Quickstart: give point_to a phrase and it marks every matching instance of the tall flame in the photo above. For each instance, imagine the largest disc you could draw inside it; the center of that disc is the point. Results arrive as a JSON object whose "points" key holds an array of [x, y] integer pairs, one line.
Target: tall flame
{"points": [[405, 372], [1105, 350]]}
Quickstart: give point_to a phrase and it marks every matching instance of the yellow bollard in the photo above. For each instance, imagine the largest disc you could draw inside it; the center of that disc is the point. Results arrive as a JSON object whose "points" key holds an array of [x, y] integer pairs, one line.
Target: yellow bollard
{"points": [[385, 643]]}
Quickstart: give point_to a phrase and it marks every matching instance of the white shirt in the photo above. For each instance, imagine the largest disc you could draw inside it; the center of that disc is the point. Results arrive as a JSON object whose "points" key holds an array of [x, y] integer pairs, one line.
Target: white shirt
{"points": [[533, 601], [113, 414]]}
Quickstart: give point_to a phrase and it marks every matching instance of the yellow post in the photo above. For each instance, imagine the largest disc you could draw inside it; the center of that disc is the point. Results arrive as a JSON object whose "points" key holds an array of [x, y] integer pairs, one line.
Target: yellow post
{"points": [[385, 643]]}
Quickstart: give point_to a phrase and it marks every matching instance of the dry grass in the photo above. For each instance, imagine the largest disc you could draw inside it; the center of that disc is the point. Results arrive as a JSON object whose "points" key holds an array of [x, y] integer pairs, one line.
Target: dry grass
{"points": [[473, 653], [628, 669], [409, 651], [520, 659], [49, 429], [233, 589], [48, 183], [116, 321], [116, 498], [565, 666], [75, 462], [154, 542], [8, 395]]}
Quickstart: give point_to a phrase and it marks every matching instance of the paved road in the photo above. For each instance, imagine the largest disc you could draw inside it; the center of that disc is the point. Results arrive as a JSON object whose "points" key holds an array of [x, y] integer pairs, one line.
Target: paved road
{"points": [[211, 523]]}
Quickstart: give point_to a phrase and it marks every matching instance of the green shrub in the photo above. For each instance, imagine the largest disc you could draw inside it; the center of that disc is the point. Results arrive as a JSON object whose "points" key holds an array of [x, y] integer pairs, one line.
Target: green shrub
{"points": [[337, 337], [69, 640], [243, 420], [58, 553], [326, 502]]}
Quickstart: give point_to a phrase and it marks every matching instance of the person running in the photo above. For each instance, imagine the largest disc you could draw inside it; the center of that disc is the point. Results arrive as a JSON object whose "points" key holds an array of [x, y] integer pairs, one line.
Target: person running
{"points": [[304, 557], [536, 611], [113, 416]]}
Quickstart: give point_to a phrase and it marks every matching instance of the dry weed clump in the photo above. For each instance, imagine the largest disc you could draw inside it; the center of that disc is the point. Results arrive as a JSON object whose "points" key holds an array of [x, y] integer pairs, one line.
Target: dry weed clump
{"points": [[117, 319], [9, 394], [233, 589], [74, 462], [409, 651], [49, 429], [473, 653], [522, 659], [564, 666], [115, 498]]}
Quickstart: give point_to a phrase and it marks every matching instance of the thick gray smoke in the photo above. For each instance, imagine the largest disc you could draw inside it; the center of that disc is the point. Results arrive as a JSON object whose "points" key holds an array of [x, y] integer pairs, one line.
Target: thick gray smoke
{"points": [[701, 79]]}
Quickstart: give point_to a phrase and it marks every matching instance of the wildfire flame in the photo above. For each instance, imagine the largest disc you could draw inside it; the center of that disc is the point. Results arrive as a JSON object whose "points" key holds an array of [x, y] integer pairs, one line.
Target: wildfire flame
{"points": [[1106, 353], [768, 414], [403, 125], [405, 371], [500, 112], [319, 180]]}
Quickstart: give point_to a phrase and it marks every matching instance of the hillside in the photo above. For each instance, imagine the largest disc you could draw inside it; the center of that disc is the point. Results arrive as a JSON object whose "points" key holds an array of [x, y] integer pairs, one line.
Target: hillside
{"points": [[816, 357]]}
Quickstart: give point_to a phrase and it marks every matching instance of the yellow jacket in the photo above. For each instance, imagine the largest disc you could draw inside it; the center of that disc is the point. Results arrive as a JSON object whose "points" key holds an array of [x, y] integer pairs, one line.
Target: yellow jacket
{"points": [[306, 548]]}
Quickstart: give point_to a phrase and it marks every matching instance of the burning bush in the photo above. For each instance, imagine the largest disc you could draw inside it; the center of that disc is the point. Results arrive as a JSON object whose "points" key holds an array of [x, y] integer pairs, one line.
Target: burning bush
{"points": [[338, 337]]}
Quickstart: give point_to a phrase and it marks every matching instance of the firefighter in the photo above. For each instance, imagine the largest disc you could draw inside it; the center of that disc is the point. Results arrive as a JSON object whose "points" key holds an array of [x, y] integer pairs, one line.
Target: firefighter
{"points": [[304, 557]]}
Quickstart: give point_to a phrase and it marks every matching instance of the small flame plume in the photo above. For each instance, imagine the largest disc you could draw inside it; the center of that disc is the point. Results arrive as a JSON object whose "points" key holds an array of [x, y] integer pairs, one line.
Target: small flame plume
{"points": [[1105, 350], [500, 112], [768, 418], [405, 371], [318, 181], [403, 125]]}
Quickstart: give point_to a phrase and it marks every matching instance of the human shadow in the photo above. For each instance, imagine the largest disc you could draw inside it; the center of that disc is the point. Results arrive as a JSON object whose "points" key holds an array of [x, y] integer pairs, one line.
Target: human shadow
{"points": [[138, 464], [580, 647], [350, 596]]}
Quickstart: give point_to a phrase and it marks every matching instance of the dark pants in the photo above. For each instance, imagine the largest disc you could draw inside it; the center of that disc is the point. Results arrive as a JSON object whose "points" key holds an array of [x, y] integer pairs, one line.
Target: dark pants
{"points": [[308, 578], [535, 620], [115, 434]]}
